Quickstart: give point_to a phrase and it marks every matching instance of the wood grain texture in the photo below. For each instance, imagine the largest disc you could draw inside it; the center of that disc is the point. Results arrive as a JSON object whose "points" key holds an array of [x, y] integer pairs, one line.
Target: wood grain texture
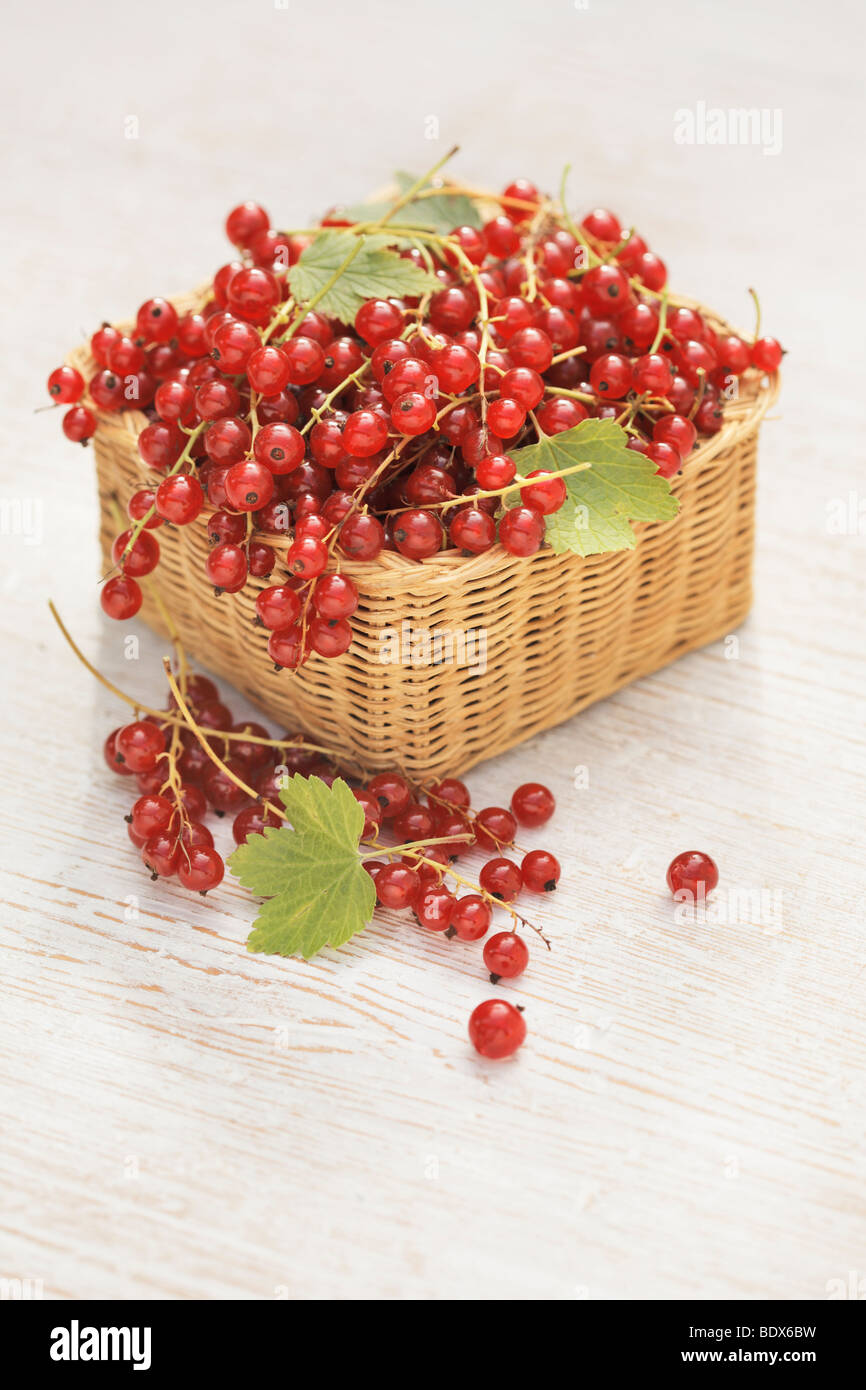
{"points": [[181, 1119]]}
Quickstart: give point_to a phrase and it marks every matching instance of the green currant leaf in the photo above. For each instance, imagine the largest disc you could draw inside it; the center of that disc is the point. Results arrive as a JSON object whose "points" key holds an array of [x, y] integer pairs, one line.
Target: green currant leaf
{"points": [[375, 273], [440, 213], [621, 486], [319, 894]]}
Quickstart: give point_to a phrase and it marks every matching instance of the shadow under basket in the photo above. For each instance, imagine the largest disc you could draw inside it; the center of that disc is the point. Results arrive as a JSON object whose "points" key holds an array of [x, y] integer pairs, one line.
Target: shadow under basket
{"points": [[457, 659]]}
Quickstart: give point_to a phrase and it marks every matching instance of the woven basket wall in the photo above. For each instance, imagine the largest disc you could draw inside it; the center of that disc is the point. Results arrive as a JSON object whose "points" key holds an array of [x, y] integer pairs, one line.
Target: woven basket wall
{"points": [[561, 631]]}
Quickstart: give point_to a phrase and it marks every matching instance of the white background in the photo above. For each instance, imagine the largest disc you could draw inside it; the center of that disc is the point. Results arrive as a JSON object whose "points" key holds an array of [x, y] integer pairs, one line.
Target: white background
{"points": [[686, 1118]]}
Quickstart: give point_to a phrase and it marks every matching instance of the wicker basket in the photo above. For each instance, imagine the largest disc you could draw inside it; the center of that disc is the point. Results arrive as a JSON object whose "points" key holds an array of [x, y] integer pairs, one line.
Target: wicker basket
{"points": [[559, 632]]}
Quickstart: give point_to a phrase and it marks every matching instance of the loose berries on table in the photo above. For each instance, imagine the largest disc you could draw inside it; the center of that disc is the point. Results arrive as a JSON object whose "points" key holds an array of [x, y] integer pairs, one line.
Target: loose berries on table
{"points": [[506, 956], [533, 804]]}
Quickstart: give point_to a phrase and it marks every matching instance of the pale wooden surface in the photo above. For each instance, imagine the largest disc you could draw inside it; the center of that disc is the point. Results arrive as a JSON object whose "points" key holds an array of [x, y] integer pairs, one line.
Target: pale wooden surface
{"points": [[180, 1119]]}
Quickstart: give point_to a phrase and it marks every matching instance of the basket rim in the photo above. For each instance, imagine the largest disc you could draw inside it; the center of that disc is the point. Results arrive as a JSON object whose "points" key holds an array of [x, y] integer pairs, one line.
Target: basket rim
{"points": [[742, 420]]}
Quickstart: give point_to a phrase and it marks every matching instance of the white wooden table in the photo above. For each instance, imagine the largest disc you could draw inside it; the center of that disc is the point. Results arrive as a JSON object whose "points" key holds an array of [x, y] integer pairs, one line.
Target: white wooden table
{"points": [[182, 1119]]}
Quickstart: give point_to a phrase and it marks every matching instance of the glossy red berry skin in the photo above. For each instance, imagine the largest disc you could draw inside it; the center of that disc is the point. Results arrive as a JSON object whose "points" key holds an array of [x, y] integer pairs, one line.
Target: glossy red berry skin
{"points": [[246, 221], [306, 359], [307, 557], [253, 820], [434, 907], [767, 354], [540, 871], [288, 648], [605, 290], [610, 376], [694, 360], [495, 827], [200, 868], [392, 792], [501, 236], [471, 917], [141, 559], [378, 320], [107, 391], [456, 368], [179, 499], [160, 853], [249, 485], [329, 637], [693, 873], [362, 536], [79, 424], [139, 745], [496, 1029], [495, 471], [280, 447], [521, 531], [335, 596], [372, 812], [472, 530], [278, 607], [506, 417], [413, 413], [665, 457], [505, 955], [156, 321], [226, 567], [560, 414], [365, 433], [253, 294], [397, 886], [652, 373], [417, 534], [268, 370], [533, 804], [531, 347], [501, 878], [547, 495], [120, 597], [65, 385], [523, 385], [677, 431]]}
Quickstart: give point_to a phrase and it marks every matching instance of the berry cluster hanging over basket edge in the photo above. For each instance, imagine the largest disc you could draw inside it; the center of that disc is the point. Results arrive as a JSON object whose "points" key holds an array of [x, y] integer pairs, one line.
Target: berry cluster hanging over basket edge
{"points": [[392, 379]]}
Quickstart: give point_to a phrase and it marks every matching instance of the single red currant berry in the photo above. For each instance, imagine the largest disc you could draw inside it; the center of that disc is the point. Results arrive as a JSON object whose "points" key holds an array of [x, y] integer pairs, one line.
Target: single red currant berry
{"points": [[767, 354], [65, 385], [253, 820], [365, 433], [179, 499], [125, 357], [652, 373], [288, 648], [434, 907], [156, 321], [666, 458], [278, 607], [142, 557], [175, 400], [140, 744], [362, 536], [521, 192], [453, 308], [228, 441], [540, 870], [501, 878], [473, 530], [307, 557], [249, 485], [109, 752], [693, 874], [506, 956], [200, 868], [79, 424], [378, 320], [246, 221], [603, 225], [335, 596], [523, 385], [605, 290], [452, 790], [506, 417], [495, 471], [533, 804], [101, 343], [160, 853], [397, 886], [279, 447], [652, 270], [253, 294], [494, 828], [417, 534], [456, 368], [677, 431], [416, 822], [372, 812], [413, 413], [330, 637], [216, 400], [521, 531], [306, 360], [610, 376], [107, 391], [268, 370], [120, 597], [531, 347], [545, 497], [471, 917], [560, 414], [502, 237], [191, 335], [221, 791], [226, 526], [695, 360], [226, 568], [496, 1029], [392, 793]]}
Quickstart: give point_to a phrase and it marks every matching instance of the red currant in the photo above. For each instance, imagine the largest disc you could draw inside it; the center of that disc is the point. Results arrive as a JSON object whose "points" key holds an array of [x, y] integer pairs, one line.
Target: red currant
{"points": [[692, 873], [501, 878], [521, 531], [121, 597], [533, 804], [505, 955], [496, 1029], [471, 917], [540, 871]]}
